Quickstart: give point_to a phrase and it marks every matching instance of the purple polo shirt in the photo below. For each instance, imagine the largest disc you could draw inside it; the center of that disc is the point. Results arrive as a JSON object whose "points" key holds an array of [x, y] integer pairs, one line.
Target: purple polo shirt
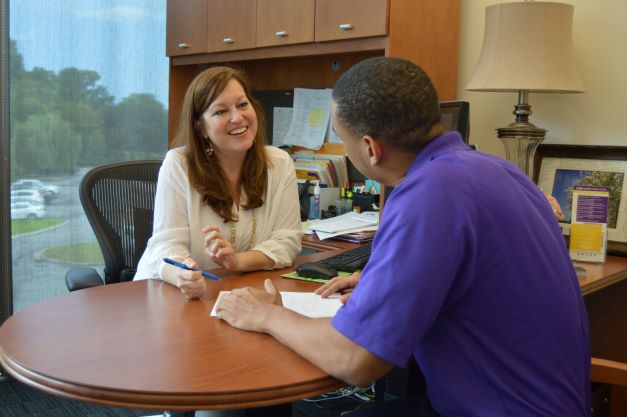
{"points": [[470, 274]]}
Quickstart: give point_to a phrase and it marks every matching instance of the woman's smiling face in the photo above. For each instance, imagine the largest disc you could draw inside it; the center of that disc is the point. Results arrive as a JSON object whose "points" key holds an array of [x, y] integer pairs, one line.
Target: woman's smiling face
{"points": [[230, 121]]}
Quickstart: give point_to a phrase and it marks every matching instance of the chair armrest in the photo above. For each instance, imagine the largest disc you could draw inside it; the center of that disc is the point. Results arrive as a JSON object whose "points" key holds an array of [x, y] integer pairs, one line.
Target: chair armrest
{"points": [[608, 372], [81, 277]]}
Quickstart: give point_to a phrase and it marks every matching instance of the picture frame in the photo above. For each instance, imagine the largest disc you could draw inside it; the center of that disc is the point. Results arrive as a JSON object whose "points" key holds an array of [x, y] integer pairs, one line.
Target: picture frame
{"points": [[558, 167]]}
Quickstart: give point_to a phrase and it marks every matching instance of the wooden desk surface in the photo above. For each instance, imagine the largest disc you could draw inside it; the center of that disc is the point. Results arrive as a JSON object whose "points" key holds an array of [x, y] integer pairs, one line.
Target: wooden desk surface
{"points": [[144, 345], [600, 276]]}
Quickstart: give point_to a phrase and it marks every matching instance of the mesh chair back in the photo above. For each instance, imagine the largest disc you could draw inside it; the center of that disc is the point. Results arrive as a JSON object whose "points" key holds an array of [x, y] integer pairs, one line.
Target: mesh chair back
{"points": [[119, 200]]}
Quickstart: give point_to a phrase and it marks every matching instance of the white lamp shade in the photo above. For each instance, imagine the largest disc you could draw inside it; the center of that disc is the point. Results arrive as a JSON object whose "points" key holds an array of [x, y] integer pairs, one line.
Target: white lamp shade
{"points": [[527, 46]]}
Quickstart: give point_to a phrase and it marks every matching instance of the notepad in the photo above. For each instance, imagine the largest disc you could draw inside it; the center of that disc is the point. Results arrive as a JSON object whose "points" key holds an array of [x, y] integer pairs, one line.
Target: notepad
{"points": [[305, 303]]}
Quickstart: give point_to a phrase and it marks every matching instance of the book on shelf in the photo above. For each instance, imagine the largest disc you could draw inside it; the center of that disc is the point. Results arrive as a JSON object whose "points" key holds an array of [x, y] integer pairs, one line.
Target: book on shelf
{"points": [[332, 168]]}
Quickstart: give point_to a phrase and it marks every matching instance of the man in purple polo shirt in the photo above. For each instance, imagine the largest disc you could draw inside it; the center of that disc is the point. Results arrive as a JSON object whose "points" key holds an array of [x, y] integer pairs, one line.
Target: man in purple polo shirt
{"points": [[469, 272]]}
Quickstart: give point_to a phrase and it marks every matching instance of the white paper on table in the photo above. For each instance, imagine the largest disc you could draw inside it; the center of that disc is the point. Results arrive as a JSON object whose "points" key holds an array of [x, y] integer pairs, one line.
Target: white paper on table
{"points": [[305, 303], [310, 117]]}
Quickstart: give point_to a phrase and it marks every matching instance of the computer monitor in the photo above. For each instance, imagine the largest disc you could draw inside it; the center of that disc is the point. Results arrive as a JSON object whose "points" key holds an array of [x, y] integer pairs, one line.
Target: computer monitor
{"points": [[456, 116]]}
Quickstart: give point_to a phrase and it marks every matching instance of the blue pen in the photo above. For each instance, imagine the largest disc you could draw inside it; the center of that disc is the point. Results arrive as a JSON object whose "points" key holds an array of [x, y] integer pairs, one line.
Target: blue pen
{"points": [[183, 266]]}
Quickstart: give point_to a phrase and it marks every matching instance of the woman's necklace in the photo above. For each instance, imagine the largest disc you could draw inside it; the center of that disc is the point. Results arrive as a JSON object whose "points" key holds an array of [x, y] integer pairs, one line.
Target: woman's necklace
{"points": [[252, 236]]}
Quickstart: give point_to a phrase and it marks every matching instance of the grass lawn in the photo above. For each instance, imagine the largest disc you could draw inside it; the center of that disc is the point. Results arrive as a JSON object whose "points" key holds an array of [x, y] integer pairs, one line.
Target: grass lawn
{"points": [[84, 253], [25, 225]]}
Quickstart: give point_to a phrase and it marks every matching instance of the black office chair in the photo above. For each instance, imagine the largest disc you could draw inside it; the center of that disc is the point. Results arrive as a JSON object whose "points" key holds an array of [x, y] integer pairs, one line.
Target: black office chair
{"points": [[118, 200]]}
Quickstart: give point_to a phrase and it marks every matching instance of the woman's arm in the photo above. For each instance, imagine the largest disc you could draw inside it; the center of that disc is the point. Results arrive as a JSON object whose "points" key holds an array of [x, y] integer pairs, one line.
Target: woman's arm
{"points": [[170, 236], [284, 243]]}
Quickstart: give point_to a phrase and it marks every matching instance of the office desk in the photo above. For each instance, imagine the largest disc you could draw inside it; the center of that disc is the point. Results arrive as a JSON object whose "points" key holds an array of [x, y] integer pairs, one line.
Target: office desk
{"points": [[144, 345], [605, 295]]}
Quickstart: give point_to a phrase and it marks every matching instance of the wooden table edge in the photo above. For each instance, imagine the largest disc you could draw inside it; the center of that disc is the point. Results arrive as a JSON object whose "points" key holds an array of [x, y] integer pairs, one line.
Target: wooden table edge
{"points": [[168, 401]]}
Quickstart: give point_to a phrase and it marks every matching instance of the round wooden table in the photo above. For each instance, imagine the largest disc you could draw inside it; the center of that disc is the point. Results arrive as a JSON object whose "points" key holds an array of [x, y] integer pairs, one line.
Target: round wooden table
{"points": [[144, 345]]}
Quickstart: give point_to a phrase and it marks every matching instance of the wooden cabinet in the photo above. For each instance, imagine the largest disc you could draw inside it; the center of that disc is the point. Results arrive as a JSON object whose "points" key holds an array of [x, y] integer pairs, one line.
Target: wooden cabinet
{"points": [[184, 23], [231, 25], [423, 31], [350, 19], [284, 22]]}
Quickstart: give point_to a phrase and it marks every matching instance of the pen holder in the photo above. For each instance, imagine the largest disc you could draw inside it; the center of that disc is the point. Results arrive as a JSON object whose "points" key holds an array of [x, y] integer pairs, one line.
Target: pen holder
{"points": [[343, 205]]}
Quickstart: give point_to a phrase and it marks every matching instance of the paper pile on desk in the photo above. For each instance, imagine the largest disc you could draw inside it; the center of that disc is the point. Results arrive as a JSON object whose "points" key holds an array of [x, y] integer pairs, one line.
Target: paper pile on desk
{"points": [[353, 222]]}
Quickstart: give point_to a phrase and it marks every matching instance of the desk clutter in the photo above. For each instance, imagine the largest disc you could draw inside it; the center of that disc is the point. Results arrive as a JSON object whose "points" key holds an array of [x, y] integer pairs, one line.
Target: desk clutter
{"points": [[351, 226], [328, 170]]}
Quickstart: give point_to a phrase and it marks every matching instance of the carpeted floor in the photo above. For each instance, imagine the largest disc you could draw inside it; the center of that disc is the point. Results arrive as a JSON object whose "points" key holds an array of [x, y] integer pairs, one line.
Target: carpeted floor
{"points": [[19, 400]]}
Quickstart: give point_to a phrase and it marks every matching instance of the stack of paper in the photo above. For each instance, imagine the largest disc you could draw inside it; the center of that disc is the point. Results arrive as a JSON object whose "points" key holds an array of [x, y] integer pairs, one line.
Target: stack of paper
{"points": [[347, 223]]}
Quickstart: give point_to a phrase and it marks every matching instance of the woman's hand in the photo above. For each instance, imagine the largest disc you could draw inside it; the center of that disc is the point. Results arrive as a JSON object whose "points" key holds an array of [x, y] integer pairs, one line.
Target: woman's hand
{"points": [[220, 249], [191, 283], [341, 283]]}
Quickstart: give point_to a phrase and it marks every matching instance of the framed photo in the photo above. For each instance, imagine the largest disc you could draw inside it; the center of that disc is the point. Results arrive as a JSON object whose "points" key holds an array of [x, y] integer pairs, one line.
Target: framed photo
{"points": [[557, 168]]}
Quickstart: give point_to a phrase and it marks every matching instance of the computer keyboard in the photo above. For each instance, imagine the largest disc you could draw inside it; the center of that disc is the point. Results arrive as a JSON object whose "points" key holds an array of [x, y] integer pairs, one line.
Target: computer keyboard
{"points": [[351, 260]]}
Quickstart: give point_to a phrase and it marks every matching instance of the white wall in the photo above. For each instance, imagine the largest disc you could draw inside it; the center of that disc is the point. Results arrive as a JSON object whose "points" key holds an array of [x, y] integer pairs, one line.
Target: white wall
{"points": [[596, 117]]}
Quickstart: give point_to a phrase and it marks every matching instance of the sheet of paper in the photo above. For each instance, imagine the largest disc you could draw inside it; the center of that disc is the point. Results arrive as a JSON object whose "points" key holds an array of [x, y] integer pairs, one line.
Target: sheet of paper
{"points": [[310, 117], [281, 119], [331, 136], [305, 303]]}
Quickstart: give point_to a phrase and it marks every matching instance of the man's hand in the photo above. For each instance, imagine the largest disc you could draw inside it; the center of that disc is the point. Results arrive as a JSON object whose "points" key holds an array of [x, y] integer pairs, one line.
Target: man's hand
{"points": [[341, 283], [247, 308], [220, 249]]}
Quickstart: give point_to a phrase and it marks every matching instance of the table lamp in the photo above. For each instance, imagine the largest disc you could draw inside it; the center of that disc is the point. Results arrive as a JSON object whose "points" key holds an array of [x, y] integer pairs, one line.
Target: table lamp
{"points": [[527, 47]]}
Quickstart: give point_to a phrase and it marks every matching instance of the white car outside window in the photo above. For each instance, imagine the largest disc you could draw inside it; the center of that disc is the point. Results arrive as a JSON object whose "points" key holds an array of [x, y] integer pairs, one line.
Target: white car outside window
{"points": [[47, 191], [32, 195], [25, 210]]}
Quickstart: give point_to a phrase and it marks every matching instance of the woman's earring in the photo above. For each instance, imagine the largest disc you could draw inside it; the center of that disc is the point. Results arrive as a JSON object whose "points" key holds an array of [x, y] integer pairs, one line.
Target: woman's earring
{"points": [[209, 148]]}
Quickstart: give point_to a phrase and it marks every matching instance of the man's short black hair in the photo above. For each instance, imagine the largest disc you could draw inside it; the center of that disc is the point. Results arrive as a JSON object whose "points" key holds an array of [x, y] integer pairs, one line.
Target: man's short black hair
{"points": [[390, 99]]}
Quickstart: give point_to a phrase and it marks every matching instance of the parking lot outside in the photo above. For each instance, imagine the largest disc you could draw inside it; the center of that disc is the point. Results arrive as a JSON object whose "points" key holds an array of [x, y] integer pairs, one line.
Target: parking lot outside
{"points": [[36, 278]]}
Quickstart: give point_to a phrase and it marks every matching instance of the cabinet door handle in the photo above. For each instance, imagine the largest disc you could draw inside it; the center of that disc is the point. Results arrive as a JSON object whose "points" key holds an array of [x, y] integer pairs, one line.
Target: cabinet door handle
{"points": [[183, 45], [281, 34], [346, 26], [228, 40]]}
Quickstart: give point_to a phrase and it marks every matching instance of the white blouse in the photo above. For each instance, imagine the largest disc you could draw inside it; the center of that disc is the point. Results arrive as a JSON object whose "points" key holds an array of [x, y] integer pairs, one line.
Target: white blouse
{"points": [[180, 215]]}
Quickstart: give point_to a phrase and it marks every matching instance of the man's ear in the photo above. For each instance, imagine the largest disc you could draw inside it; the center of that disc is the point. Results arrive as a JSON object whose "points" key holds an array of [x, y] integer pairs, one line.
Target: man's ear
{"points": [[374, 150]]}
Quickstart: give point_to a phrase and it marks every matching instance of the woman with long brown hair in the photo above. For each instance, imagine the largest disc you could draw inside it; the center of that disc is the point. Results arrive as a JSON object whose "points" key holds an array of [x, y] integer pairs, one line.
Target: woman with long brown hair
{"points": [[224, 198]]}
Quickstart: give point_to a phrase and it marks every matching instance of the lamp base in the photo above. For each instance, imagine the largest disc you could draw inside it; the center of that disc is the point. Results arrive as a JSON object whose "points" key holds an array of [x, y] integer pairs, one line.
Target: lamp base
{"points": [[521, 138], [520, 144]]}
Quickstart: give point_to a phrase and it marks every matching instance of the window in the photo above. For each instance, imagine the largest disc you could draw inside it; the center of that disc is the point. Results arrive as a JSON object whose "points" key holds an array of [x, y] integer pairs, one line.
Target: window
{"points": [[88, 84]]}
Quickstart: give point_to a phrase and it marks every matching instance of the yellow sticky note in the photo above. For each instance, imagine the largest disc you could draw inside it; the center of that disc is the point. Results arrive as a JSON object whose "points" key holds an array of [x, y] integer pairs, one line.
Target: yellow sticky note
{"points": [[315, 117]]}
